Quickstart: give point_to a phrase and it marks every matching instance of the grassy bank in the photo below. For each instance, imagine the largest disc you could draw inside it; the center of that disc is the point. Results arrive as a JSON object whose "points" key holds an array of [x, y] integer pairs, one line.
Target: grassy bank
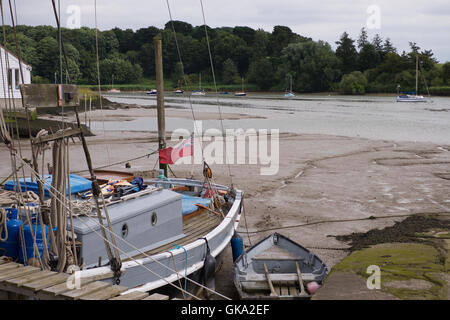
{"points": [[413, 256]]}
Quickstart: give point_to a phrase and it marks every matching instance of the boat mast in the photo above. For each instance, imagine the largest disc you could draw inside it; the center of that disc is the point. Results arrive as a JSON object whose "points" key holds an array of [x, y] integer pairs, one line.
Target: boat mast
{"points": [[160, 98], [417, 72], [291, 83]]}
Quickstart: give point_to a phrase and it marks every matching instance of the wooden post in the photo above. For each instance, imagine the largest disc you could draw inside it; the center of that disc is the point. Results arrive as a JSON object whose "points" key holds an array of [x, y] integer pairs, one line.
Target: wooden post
{"points": [[90, 110], [85, 109], [160, 98]]}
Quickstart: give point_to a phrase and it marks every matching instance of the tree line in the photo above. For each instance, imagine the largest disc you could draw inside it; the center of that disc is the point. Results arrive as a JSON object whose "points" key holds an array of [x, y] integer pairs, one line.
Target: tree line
{"points": [[265, 59]]}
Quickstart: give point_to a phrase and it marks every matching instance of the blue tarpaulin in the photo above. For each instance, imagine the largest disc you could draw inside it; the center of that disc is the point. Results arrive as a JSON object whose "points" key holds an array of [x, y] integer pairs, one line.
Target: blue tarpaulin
{"points": [[189, 203], [77, 184]]}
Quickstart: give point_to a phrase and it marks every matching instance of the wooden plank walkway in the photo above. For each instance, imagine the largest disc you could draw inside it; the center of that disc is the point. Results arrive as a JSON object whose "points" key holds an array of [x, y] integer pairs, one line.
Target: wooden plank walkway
{"points": [[23, 282]]}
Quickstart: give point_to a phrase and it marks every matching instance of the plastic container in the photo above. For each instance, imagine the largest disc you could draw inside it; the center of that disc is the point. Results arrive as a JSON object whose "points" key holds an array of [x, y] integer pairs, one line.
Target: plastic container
{"points": [[29, 244], [237, 246], [10, 247]]}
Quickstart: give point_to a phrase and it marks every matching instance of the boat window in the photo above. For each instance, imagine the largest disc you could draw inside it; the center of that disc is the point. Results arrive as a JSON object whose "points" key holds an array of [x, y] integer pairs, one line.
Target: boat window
{"points": [[124, 231], [154, 219]]}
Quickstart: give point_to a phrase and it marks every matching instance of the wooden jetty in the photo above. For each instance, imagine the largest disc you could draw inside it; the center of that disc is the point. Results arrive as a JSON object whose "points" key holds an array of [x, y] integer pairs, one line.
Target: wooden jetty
{"points": [[19, 282]]}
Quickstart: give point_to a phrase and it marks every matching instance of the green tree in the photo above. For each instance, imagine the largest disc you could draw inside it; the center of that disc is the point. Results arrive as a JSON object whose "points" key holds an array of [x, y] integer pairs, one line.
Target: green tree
{"points": [[180, 27], [178, 73], [353, 83], [388, 47], [262, 73], [229, 46], [145, 35], [405, 79], [125, 39], [446, 73], [146, 56], [369, 57], [229, 72], [363, 38], [280, 38], [347, 53], [313, 64], [47, 51], [260, 44], [245, 33], [123, 71]]}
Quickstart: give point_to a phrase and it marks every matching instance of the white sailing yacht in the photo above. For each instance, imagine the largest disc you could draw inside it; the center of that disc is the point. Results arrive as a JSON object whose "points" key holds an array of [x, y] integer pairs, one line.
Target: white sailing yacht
{"points": [[199, 92], [413, 97], [290, 94], [242, 93]]}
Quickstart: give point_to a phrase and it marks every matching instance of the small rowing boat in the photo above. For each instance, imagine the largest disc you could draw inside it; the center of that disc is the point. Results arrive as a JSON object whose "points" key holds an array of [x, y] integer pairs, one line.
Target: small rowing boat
{"points": [[278, 268]]}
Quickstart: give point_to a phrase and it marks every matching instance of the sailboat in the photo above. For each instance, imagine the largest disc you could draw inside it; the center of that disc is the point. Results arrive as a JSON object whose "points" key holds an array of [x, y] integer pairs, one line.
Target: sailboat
{"points": [[113, 90], [413, 97], [290, 94], [199, 92], [242, 93], [147, 236], [180, 90]]}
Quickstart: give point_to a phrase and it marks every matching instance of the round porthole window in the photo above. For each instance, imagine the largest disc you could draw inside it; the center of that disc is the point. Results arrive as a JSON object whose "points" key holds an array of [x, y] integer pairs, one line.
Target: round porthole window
{"points": [[154, 219], [124, 231]]}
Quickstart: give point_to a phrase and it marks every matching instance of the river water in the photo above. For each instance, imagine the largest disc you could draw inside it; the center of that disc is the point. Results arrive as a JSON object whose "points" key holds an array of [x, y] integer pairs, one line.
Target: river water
{"points": [[372, 117]]}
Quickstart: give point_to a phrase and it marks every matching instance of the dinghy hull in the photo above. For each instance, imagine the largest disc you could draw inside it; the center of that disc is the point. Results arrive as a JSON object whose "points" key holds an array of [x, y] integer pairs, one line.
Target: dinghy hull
{"points": [[277, 268]]}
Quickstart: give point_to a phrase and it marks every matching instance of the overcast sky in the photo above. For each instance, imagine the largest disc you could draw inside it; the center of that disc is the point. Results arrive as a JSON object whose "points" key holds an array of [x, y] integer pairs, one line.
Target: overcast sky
{"points": [[425, 22]]}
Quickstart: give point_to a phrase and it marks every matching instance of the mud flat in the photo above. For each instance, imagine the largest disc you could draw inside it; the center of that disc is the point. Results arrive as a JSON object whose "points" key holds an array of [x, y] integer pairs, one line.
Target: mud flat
{"points": [[132, 112], [326, 186]]}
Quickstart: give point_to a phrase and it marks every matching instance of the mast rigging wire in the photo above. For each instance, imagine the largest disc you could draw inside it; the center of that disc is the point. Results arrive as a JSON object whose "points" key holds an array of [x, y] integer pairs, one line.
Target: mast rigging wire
{"points": [[215, 85]]}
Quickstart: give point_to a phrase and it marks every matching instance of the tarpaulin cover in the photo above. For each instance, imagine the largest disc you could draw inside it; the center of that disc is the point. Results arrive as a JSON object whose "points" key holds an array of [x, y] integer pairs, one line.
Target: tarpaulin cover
{"points": [[188, 203], [77, 184]]}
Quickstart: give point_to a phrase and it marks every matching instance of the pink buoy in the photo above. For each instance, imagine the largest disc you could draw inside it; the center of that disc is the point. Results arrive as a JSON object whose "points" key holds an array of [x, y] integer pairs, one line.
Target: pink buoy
{"points": [[312, 287]]}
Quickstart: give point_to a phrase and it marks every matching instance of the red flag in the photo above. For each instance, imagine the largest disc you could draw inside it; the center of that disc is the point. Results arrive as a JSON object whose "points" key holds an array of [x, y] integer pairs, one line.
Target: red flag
{"points": [[165, 156], [184, 149], [171, 155]]}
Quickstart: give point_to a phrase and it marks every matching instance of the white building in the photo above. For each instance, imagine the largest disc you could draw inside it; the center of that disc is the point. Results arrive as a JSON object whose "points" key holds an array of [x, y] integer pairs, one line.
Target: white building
{"points": [[10, 78]]}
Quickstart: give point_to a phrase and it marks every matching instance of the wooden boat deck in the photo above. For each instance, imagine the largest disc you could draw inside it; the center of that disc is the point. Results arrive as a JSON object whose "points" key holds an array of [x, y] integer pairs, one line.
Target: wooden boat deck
{"points": [[22, 282], [194, 228]]}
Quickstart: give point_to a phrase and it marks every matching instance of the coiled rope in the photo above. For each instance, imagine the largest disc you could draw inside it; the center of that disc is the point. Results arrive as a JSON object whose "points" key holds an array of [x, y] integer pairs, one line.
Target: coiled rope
{"points": [[3, 225]]}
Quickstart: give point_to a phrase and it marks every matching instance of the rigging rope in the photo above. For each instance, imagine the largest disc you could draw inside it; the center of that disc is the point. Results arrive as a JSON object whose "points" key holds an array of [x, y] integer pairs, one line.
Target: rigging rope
{"points": [[425, 81], [184, 77], [12, 151], [98, 80], [215, 87], [114, 259]]}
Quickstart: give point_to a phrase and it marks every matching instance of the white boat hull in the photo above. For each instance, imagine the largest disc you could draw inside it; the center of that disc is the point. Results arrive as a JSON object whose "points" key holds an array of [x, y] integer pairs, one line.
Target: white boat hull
{"points": [[411, 99]]}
